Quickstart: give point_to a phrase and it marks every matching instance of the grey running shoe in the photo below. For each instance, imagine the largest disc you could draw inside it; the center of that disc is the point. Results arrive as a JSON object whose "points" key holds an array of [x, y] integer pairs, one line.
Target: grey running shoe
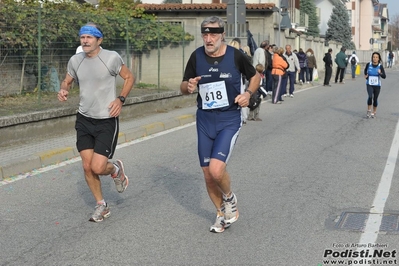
{"points": [[229, 208], [101, 212], [368, 115], [372, 115], [121, 180], [218, 226]]}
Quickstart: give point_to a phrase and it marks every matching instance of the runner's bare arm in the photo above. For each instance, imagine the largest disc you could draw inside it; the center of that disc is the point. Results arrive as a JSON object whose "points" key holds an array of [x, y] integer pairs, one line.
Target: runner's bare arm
{"points": [[243, 99], [64, 89]]}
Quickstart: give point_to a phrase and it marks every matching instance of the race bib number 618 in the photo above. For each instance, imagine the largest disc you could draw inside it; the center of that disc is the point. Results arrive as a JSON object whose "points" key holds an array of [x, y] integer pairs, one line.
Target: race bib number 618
{"points": [[213, 95]]}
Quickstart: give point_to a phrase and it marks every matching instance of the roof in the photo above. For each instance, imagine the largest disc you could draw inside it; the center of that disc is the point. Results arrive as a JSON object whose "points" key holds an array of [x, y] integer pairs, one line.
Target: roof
{"points": [[196, 7], [379, 10]]}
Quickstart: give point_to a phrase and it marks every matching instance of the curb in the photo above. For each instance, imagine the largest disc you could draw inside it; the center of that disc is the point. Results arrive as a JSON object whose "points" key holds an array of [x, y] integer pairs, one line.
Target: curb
{"points": [[41, 159]]}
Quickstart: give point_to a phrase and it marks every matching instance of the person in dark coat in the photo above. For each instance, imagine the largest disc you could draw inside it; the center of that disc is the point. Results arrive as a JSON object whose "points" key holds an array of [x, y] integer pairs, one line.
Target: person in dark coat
{"points": [[328, 65], [341, 60], [303, 64], [312, 64]]}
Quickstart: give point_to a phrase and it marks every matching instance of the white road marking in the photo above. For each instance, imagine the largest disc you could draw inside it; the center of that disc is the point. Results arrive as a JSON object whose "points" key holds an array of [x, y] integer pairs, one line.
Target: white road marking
{"points": [[371, 231], [77, 159]]}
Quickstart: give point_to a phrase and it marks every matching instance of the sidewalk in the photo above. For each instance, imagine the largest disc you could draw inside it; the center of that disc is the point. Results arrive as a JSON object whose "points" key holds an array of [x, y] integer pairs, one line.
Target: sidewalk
{"points": [[19, 159], [27, 157]]}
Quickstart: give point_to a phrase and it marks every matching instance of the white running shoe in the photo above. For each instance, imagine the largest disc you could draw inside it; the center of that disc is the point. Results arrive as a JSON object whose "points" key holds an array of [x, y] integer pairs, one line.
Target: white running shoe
{"points": [[229, 208], [218, 226], [121, 180], [101, 212]]}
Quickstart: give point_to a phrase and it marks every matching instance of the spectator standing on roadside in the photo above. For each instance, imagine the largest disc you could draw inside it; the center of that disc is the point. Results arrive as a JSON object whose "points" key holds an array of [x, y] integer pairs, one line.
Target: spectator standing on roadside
{"points": [[280, 65], [97, 120], [328, 63], [262, 57], [312, 64], [219, 101], [247, 51], [303, 64], [353, 60], [296, 69], [238, 40], [373, 72], [244, 110], [293, 66], [260, 54], [341, 61], [254, 114], [79, 49], [390, 59], [268, 72], [263, 91]]}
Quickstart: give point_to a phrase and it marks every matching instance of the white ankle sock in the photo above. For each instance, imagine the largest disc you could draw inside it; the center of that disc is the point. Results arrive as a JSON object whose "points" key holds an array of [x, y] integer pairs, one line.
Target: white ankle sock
{"points": [[116, 170]]}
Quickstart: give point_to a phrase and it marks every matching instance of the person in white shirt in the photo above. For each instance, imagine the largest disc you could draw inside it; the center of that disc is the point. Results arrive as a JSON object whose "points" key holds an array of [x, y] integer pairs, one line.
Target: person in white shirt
{"points": [[260, 55], [353, 60], [79, 49]]}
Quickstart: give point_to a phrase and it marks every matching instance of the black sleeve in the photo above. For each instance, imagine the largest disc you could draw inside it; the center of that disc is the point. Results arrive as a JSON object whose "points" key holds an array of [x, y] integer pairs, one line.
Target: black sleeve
{"points": [[243, 64], [365, 69], [383, 75], [329, 61], [190, 70], [270, 62]]}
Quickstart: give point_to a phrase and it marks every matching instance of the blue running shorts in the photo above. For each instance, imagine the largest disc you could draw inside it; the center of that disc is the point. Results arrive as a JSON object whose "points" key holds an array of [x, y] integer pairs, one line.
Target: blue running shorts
{"points": [[217, 133]]}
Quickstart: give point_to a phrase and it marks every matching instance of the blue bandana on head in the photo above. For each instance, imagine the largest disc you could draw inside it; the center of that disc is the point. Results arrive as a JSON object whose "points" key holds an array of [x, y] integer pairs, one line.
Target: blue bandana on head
{"points": [[90, 30]]}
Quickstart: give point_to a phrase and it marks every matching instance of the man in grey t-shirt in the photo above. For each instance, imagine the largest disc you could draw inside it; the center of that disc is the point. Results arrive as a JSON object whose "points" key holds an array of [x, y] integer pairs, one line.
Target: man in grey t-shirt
{"points": [[97, 123]]}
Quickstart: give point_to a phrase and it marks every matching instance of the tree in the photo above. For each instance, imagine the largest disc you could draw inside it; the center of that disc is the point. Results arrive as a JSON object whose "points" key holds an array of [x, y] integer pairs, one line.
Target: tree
{"points": [[125, 27], [308, 7], [394, 33], [120, 21], [339, 29]]}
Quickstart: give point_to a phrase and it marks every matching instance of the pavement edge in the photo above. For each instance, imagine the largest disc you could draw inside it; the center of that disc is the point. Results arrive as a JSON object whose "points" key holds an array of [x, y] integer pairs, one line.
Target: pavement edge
{"points": [[31, 162]]}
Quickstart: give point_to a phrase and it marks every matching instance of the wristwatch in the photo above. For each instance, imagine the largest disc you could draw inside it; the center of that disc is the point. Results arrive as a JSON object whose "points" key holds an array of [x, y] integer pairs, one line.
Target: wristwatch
{"points": [[250, 92], [121, 98]]}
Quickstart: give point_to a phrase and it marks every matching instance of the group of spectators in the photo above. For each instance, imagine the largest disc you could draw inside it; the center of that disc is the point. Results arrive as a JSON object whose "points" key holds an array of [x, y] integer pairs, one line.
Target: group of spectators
{"points": [[342, 61], [278, 67]]}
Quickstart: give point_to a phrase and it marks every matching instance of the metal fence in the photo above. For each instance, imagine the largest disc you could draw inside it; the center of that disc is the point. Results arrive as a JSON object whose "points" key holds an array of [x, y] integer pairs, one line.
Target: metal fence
{"points": [[36, 47], [34, 51]]}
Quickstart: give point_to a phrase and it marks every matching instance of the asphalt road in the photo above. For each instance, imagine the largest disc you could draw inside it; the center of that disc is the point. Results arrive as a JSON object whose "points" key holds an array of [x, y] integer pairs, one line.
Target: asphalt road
{"points": [[311, 160]]}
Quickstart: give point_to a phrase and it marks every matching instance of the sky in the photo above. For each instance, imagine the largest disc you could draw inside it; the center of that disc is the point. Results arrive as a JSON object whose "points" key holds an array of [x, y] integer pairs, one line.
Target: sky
{"points": [[393, 7]]}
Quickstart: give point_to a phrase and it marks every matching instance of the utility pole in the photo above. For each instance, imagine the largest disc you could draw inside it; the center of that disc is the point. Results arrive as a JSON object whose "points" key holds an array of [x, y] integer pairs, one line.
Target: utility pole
{"points": [[236, 14]]}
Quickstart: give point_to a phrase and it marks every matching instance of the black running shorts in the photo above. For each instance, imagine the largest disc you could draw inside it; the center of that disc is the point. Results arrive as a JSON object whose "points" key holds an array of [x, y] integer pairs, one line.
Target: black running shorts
{"points": [[100, 135]]}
